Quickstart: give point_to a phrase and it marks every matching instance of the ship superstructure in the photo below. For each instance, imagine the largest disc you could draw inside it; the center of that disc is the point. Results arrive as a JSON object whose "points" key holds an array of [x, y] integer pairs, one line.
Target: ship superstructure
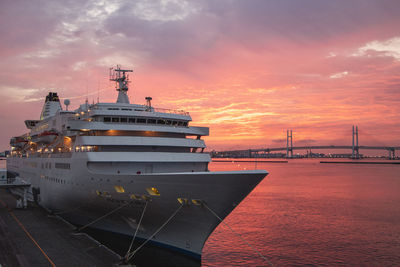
{"points": [[142, 164]]}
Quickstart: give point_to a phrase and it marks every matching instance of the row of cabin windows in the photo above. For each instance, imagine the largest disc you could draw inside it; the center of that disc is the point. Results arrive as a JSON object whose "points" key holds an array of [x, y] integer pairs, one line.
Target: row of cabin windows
{"points": [[125, 148], [56, 180], [59, 165], [145, 120], [47, 165], [126, 109]]}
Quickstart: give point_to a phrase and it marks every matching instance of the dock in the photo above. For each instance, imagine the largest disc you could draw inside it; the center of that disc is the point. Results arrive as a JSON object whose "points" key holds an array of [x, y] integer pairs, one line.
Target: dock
{"points": [[33, 237]]}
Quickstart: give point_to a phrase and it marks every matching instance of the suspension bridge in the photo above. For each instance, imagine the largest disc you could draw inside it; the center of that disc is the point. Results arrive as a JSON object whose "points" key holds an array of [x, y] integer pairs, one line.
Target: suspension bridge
{"points": [[265, 152]]}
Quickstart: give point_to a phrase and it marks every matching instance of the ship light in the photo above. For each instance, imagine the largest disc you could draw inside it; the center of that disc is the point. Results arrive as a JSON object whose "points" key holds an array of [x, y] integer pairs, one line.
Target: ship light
{"points": [[183, 201], [119, 189], [197, 202], [153, 191], [85, 130], [82, 112]]}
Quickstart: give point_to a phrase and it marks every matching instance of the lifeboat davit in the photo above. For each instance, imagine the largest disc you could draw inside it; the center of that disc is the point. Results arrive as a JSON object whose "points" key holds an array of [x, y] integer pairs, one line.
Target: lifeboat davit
{"points": [[18, 141], [45, 137]]}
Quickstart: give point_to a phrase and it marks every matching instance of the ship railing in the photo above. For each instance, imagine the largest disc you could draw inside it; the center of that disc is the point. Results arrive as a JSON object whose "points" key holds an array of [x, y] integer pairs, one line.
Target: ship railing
{"points": [[159, 110], [171, 111]]}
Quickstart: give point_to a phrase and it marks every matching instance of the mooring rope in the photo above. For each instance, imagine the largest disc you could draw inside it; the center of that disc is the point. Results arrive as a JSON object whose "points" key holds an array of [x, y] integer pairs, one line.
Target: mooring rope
{"points": [[239, 235], [137, 229], [102, 217], [156, 232]]}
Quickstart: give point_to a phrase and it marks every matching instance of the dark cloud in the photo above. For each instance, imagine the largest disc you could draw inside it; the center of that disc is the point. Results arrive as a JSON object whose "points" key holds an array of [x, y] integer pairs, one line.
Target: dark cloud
{"points": [[254, 25]]}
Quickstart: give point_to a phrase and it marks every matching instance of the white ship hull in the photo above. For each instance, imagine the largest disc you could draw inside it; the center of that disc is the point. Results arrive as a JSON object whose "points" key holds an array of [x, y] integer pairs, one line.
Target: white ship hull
{"points": [[75, 195]]}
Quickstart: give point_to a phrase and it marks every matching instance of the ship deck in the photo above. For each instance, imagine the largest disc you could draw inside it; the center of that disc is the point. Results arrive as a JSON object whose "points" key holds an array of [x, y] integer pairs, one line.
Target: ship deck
{"points": [[32, 237]]}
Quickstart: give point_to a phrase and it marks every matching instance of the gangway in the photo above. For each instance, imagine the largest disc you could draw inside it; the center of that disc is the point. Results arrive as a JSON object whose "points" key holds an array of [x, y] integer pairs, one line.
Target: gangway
{"points": [[15, 182]]}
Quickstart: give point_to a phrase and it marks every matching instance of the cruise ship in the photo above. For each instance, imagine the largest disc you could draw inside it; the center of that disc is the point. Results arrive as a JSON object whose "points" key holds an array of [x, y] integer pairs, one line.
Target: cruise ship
{"points": [[128, 169]]}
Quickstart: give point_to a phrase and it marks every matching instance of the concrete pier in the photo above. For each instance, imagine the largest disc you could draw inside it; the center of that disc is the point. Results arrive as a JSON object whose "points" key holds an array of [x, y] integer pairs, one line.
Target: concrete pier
{"points": [[32, 237]]}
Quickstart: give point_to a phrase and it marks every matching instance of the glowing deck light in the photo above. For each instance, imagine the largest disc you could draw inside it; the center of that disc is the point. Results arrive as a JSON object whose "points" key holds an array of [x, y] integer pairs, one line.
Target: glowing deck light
{"points": [[153, 191], [119, 189]]}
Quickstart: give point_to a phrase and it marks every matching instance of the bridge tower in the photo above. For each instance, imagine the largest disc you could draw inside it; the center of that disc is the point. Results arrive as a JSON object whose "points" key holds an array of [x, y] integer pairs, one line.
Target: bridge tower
{"points": [[355, 151], [289, 143], [391, 153]]}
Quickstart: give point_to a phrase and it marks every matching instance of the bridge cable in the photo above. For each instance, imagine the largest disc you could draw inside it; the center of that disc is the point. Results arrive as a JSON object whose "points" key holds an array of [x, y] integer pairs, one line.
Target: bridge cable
{"points": [[239, 235]]}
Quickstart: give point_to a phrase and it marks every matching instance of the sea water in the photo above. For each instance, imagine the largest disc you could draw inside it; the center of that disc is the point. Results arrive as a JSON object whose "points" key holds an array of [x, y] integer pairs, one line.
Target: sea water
{"points": [[308, 213]]}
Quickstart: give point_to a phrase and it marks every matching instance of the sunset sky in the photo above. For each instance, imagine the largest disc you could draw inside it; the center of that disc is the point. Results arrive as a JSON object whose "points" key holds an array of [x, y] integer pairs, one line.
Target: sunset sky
{"points": [[249, 70]]}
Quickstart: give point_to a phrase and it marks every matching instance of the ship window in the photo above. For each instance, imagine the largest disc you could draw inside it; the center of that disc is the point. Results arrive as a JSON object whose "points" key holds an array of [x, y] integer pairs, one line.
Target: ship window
{"points": [[185, 123], [160, 121], [126, 109], [168, 122], [124, 119], [131, 120], [59, 165], [107, 119], [174, 123], [113, 108], [115, 119], [141, 120], [152, 121], [180, 123]]}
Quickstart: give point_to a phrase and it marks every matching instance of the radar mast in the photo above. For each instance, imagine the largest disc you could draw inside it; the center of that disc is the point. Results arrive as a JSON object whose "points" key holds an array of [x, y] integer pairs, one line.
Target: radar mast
{"points": [[121, 83]]}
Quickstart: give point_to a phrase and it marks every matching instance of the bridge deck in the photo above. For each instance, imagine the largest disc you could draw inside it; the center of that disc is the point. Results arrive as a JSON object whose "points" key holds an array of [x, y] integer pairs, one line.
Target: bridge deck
{"points": [[391, 148]]}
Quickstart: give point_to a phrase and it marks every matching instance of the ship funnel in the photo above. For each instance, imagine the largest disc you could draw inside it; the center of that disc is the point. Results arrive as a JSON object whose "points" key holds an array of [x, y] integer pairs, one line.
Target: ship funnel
{"points": [[51, 106], [121, 81]]}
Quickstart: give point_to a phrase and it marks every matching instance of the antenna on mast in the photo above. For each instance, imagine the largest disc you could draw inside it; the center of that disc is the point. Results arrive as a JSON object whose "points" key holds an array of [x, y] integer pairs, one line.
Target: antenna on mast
{"points": [[121, 81]]}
